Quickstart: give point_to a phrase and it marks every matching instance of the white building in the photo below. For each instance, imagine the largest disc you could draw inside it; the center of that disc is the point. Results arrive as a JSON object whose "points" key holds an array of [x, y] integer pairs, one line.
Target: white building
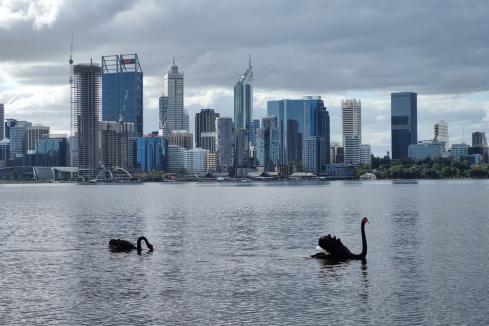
{"points": [[176, 159], [441, 133], [365, 155], [172, 114], [195, 161], [224, 144], [351, 113], [426, 149]]}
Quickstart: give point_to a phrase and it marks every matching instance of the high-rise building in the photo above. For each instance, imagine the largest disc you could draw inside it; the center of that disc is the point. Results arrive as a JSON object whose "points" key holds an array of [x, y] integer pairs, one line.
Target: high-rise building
{"points": [[351, 113], [479, 139], [4, 152], [365, 155], [122, 90], [176, 159], [52, 150], [152, 153], [86, 104], [252, 131], [315, 156], [205, 122], [268, 144], [115, 147], [404, 123], [243, 99], [459, 151], [241, 157], [426, 149], [181, 138], [17, 131], [34, 133], [208, 141], [316, 124], [172, 113], [441, 133], [225, 135], [195, 161], [2, 120]]}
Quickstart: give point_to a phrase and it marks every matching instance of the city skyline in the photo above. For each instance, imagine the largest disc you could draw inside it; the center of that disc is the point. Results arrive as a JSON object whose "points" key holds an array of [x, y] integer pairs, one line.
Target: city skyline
{"points": [[449, 81]]}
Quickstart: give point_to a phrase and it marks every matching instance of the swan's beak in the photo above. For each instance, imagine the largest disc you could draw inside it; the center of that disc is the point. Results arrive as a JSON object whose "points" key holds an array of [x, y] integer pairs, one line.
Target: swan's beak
{"points": [[318, 248]]}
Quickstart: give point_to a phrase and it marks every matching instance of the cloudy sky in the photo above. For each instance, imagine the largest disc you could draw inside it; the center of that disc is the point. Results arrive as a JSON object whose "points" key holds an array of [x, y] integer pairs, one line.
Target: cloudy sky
{"points": [[336, 49]]}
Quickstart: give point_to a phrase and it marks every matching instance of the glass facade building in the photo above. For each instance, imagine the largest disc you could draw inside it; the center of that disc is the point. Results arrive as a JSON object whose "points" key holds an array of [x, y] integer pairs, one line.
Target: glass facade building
{"points": [[52, 152], [243, 99], [404, 123], [152, 153], [122, 90]]}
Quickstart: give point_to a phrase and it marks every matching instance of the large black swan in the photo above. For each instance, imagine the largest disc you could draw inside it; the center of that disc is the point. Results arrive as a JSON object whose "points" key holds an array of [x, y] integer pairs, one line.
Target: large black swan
{"points": [[124, 245], [334, 249]]}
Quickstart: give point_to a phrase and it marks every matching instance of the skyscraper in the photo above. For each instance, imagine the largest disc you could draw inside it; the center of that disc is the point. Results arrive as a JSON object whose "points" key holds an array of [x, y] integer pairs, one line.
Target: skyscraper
{"points": [[441, 133], [172, 113], [316, 126], [479, 139], [87, 98], [122, 90], [181, 138], [243, 99], [205, 122], [152, 153], [34, 133], [404, 123], [225, 135], [115, 147], [2, 118], [268, 144], [17, 134], [351, 113]]}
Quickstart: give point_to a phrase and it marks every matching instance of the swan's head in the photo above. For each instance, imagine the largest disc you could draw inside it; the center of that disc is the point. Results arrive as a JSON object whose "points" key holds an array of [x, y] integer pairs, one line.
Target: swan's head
{"points": [[150, 247], [364, 220]]}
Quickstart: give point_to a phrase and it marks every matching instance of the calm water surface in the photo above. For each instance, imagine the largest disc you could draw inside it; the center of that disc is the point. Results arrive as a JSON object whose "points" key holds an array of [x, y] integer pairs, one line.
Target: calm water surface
{"points": [[237, 254]]}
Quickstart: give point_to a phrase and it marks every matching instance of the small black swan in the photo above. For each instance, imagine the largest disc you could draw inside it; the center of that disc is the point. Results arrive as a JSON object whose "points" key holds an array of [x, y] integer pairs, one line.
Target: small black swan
{"points": [[124, 245], [336, 250]]}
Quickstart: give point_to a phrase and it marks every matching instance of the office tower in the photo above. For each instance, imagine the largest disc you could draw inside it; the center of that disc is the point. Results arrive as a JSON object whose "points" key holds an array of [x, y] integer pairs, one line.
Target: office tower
{"points": [[172, 113], [52, 150], [115, 148], [8, 123], [2, 121], [33, 133], [225, 135], [243, 99], [441, 133], [365, 155], [479, 139], [315, 156], [73, 149], [175, 159], [152, 153], [17, 134], [426, 149], [122, 90], [86, 120], [205, 122], [195, 161], [351, 113], [4, 152], [459, 151], [241, 157], [268, 144], [181, 138], [211, 162], [252, 131], [208, 141], [404, 123]]}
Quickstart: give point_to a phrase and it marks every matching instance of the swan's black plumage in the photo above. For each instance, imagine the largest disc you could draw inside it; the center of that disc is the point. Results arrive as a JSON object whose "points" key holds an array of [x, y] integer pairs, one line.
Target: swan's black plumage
{"points": [[124, 245], [337, 250]]}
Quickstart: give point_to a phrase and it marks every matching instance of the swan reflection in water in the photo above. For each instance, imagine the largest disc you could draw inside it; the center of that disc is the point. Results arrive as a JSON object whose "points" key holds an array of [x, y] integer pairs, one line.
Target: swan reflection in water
{"points": [[118, 245]]}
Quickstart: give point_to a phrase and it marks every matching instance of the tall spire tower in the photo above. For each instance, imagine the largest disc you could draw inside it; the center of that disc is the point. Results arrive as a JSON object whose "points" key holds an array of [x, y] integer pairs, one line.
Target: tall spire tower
{"points": [[243, 98]]}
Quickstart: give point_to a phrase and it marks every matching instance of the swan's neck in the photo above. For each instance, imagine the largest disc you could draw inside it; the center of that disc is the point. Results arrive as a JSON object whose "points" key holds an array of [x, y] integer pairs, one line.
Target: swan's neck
{"points": [[363, 254], [139, 242]]}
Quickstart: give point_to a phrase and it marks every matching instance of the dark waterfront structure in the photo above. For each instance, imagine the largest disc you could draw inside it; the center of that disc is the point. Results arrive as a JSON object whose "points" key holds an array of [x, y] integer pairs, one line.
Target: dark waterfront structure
{"points": [[86, 104], [152, 153], [404, 123], [205, 122], [479, 139], [243, 99], [268, 144], [122, 90]]}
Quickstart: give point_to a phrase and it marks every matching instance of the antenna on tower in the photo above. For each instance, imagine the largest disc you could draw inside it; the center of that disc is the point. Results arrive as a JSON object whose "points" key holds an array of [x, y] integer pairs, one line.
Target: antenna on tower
{"points": [[70, 61], [249, 58]]}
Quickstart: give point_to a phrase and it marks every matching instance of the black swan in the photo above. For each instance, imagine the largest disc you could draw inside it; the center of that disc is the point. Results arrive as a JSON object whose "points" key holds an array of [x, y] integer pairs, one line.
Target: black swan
{"points": [[335, 249], [124, 245]]}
